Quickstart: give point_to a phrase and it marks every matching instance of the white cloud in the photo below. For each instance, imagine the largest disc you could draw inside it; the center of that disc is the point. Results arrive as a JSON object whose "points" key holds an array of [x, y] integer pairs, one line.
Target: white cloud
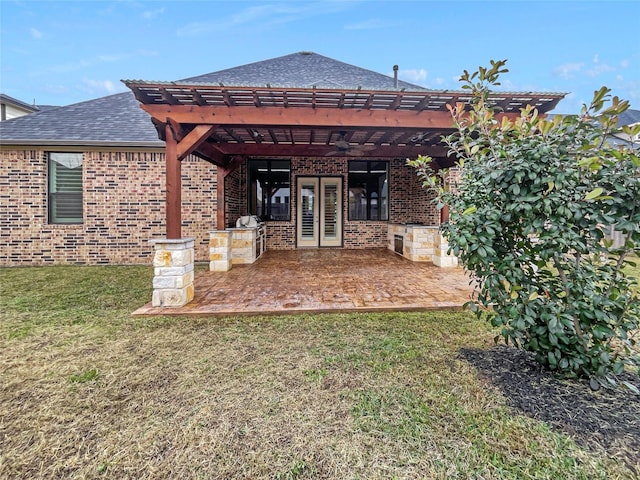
{"points": [[147, 53], [596, 58], [413, 75], [371, 24], [35, 33], [99, 86], [111, 58], [84, 63], [567, 70], [599, 69], [149, 14], [624, 63], [263, 15]]}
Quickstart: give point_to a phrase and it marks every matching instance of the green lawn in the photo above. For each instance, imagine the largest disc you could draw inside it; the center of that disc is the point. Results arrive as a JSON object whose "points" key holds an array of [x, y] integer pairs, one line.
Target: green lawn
{"points": [[87, 391]]}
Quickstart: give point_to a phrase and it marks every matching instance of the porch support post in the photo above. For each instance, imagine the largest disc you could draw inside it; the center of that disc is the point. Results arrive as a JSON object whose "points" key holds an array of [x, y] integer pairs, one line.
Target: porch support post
{"points": [[220, 194], [173, 186], [444, 214]]}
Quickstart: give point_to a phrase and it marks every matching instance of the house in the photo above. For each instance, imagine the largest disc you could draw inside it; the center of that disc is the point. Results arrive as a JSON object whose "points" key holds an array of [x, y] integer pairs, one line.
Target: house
{"points": [[11, 107], [314, 148], [630, 118]]}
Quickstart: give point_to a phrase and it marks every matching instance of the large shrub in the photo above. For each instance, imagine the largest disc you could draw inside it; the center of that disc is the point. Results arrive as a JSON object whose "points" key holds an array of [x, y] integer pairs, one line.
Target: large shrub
{"points": [[528, 219]]}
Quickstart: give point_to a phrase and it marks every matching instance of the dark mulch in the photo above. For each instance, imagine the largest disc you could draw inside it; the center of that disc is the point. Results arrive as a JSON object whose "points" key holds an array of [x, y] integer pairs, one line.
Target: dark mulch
{"points": [[604, 419]]}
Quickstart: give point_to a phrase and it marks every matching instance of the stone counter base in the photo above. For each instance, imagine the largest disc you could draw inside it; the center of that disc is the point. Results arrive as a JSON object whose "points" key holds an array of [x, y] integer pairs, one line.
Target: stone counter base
{"points": [[420, 243], [235, 246]]}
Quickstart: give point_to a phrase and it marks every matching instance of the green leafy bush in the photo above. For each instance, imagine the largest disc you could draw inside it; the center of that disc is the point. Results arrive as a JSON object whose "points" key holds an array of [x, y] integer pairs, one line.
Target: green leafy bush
{"points": [[528, 220]]}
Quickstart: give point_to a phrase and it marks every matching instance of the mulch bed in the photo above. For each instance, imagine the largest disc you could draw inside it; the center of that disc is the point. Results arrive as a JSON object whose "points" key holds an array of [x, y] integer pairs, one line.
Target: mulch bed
{"points": [[604, 419]]}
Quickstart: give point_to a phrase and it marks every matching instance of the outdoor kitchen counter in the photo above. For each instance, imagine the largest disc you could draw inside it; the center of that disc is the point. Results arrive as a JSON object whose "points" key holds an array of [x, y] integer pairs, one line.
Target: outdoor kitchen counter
{"points": [[416, 242]]}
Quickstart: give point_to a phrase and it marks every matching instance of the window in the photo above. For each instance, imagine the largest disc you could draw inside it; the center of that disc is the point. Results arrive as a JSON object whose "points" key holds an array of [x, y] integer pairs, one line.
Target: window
{"points": [[65, 187], [269, 189], [368, 190]]}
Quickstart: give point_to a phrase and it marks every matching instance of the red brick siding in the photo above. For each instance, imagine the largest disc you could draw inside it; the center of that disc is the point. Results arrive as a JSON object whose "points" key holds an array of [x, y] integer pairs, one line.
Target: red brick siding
{"points": [[236, 205], [123, 208], [408, 203]]}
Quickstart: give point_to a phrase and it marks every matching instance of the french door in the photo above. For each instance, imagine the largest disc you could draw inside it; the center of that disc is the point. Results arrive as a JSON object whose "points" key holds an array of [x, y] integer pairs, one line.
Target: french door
{"points": [[319, 211]]}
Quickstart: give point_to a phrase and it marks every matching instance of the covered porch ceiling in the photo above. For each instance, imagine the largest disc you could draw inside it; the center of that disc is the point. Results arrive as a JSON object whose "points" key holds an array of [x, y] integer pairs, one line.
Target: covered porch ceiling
{"points": [[222, 122]]}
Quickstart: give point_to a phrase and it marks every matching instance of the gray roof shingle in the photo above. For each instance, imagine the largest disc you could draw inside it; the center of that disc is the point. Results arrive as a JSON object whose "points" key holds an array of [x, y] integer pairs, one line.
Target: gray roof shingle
{"points": [[303, 70], [629, 117], [115, 119]]}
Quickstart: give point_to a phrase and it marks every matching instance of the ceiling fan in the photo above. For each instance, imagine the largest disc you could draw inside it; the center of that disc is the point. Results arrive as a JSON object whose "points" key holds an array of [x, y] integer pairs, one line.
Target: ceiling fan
{"points": [[343, 147]]}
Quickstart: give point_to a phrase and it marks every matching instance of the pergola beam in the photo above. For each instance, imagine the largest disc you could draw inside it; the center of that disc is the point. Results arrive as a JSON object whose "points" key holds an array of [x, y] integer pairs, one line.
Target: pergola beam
{"points": [[193, 140], [300, 150], [300, 117]]}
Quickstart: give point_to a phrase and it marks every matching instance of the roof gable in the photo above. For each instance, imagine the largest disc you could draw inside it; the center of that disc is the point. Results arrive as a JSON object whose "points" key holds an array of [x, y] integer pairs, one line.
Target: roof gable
{"points": [[6, 99]]}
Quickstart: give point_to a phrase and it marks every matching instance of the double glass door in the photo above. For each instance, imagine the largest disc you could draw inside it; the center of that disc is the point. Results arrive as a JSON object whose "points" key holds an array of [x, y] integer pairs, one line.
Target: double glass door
{"points": [[319, 211]]}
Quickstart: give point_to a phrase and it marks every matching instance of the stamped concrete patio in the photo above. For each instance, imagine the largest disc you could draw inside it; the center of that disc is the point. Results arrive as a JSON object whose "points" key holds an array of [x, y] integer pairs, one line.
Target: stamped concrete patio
{"points": [[324, 280]]}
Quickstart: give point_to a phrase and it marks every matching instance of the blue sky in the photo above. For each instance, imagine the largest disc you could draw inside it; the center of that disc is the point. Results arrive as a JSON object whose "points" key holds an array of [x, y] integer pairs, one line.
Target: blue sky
{"points": [[62, 52]]}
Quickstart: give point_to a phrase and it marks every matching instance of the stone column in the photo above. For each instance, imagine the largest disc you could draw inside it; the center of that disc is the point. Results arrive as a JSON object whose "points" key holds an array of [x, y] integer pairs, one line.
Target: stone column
{"points": [[173, 270], [441, 257], [220, 250]]}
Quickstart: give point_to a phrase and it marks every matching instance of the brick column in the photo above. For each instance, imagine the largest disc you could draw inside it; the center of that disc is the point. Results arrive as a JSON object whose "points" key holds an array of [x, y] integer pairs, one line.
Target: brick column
{"points": [[173, 270], [220, 250]]}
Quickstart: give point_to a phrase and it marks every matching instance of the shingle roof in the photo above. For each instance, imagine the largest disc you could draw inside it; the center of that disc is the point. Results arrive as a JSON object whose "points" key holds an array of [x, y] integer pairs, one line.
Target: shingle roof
{"points": [[629, 117], [115, 119], [303, 70]]}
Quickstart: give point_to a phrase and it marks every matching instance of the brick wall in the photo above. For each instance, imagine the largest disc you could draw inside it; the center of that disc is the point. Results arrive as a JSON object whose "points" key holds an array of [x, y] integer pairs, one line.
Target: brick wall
{"points": [[408, 203], [123, 208], [235, 206]]}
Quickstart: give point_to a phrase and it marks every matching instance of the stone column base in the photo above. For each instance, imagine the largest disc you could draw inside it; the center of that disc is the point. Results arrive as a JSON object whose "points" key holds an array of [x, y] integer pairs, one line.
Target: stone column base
{"points": [[173, 272], [220, 250]]}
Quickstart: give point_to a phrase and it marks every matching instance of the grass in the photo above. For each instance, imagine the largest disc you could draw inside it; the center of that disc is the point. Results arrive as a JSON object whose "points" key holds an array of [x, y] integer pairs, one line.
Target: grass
{"points": [[87, 391]]}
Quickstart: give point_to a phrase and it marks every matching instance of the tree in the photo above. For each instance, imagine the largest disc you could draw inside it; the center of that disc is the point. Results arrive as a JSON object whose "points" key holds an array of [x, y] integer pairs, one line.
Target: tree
{"points": [[528, 219]]}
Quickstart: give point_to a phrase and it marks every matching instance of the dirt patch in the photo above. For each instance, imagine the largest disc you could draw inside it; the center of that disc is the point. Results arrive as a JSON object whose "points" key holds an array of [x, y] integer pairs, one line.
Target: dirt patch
{"points": [[606, 419]]}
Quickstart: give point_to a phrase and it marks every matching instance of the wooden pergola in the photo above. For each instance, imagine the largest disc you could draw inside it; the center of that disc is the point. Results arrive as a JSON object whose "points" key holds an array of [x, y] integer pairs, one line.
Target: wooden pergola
{"points": [[225, 124]]}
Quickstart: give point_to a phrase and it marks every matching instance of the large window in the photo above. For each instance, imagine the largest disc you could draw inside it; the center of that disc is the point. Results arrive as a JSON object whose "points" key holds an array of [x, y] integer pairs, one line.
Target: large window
{"points": [[270, 189], [368, 190], [65, 187]]}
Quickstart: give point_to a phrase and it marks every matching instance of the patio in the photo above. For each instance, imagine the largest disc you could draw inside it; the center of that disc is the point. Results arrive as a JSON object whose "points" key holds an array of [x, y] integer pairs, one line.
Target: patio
{"points": [[324, 280]]}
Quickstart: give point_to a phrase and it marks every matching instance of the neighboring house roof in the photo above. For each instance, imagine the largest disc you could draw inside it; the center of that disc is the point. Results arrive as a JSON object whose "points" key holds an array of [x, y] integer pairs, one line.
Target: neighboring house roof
{"points": [[7, 100], [12, 107], [629, 117]]}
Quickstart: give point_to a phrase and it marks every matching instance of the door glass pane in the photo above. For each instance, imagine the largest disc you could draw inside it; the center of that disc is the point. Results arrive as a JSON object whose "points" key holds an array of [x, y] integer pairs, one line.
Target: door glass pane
{"points": [[330, 211], [307, 193]]}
